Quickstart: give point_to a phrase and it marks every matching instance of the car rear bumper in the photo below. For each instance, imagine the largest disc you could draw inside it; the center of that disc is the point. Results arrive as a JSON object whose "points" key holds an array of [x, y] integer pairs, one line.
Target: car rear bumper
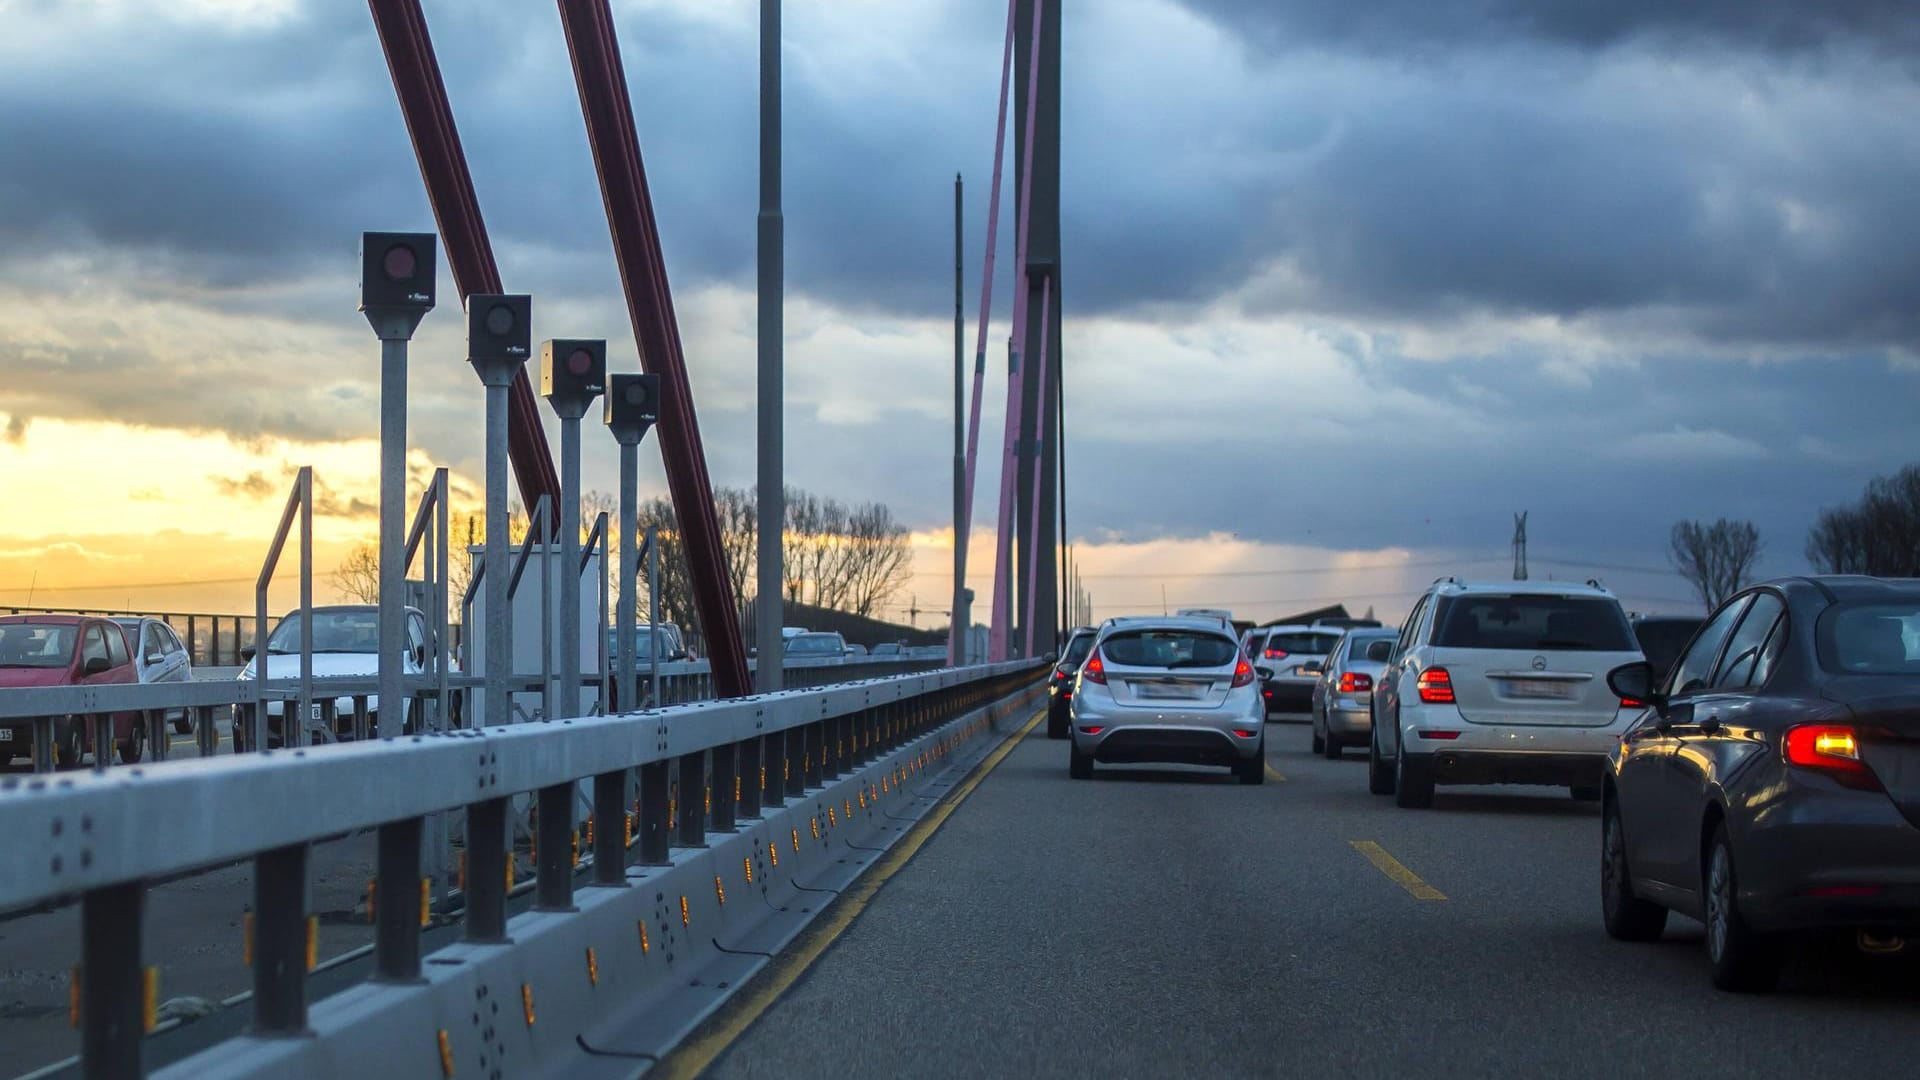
{"points": [[1176, 744], [1288, 695], [1515, 767], [1347, 722], [1831, 859]]}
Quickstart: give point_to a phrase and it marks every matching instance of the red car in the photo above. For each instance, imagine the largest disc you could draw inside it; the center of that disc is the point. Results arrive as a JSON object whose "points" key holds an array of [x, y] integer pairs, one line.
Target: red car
{"points": [[66, 650]]}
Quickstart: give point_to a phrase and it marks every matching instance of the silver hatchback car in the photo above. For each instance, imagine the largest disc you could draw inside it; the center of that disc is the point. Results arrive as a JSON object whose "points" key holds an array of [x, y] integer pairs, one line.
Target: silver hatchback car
{"points": [[1343, 698], [1168, 689]]}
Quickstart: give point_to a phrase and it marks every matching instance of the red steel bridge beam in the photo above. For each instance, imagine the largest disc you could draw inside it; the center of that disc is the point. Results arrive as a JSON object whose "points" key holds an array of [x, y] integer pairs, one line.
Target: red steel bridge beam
{"points": [[643, 275], [456, 208]]}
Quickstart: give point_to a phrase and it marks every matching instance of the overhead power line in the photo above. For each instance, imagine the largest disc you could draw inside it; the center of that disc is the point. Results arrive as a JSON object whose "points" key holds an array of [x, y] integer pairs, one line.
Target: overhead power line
{"points": [[136, 586]]}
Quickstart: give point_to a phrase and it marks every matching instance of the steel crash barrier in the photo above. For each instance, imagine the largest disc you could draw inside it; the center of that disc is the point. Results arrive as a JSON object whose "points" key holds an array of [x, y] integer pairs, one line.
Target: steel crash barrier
{"points": [[718, 830]]}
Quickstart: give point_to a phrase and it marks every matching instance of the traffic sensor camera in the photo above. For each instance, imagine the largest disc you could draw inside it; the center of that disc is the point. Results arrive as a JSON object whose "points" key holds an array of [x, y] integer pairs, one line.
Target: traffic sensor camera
{"points": [[572, 373], [633, 405], [396, 280], [499, 334]]}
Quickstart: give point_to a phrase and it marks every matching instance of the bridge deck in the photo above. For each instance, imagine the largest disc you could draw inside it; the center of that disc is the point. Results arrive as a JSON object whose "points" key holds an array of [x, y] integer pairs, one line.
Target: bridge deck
{"points": [[1168, 922]]}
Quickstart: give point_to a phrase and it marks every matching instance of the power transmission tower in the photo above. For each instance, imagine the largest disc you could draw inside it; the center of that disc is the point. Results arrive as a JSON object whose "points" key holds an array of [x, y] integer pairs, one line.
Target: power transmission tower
{"points": [[1520, 546]]}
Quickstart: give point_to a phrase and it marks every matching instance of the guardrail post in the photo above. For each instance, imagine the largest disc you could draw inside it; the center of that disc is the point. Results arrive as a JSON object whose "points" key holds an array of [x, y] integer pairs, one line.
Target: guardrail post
{"points": [[396, 946], [610, 828], [693, 799], [159, 732], [553, 856], [726, 772], [485, 883], [656, 840], [750, 758], [814, 757], [792, 770], [773, 755], [280, 941], [112, 986]]}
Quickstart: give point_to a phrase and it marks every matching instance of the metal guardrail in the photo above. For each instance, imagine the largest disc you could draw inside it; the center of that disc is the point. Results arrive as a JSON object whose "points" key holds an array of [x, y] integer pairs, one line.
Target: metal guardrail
{"points": [[105, 836]]}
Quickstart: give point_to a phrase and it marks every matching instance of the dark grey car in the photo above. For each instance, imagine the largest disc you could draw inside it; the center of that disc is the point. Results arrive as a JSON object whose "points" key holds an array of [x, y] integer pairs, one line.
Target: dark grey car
{"points": [[1773, 784]]}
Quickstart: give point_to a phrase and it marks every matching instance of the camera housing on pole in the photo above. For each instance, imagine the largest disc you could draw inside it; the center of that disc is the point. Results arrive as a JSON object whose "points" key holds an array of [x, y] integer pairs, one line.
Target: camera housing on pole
{"points": [[632, 408], [572, 373], [499, 342], [396, 292]]}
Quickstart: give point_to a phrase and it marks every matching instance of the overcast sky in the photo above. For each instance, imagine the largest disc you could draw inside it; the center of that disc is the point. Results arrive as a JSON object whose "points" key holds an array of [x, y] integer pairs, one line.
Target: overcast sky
{"points": [[1345, 284]]}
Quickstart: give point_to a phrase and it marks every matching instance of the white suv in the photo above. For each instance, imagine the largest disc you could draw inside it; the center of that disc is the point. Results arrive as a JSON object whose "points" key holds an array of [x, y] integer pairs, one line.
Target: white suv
{"points": [[1500, 684]]}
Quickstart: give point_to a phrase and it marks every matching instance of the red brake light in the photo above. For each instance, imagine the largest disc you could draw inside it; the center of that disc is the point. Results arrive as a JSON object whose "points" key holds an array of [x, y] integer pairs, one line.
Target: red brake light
{"points": [[1353, 682], [1093, 730], [1632, 703], [1093, 670], [1443, 735], [1831, 748], [1242, 673], [1435, 686], [1275, 654]]}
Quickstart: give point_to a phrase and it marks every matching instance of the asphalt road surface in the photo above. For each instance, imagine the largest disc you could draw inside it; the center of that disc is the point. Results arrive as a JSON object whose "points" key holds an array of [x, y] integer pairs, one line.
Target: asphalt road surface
{"points": [[1169, 922]]}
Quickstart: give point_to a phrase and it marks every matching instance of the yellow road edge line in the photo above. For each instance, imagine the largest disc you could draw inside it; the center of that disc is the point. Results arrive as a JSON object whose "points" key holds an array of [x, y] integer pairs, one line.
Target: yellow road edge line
{"points": [[1274, 773], [1399, 874], [694, 1057]]}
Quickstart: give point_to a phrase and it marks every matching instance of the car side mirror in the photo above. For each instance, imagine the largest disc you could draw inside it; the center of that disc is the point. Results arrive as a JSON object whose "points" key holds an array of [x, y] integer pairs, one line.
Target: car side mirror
{"points": [[420, 655], [96, 665], [155, 658], [1380, 652], [1634, 682], [1264, 672], [248, 652]]}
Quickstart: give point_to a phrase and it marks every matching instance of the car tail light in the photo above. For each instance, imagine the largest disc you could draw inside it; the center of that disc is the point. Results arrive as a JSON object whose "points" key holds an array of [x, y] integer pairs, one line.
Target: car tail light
{"points": [[1444, 736], [1435, 686], [1093, 730], [1632, 703], [1245, 733], [1094, 671], [1353, 682], [1833, 749], [1242, 673], [1275, 654]]}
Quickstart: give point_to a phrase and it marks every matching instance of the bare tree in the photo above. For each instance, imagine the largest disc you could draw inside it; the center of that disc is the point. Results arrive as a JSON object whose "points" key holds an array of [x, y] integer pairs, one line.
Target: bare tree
{"points": [[879, 558], [738, 511], [1878, 535], [1715, 559], [357, 578]]}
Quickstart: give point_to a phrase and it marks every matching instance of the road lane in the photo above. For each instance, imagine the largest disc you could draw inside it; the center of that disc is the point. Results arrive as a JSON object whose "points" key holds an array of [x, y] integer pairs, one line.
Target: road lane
{"points": [[1166, 921]]}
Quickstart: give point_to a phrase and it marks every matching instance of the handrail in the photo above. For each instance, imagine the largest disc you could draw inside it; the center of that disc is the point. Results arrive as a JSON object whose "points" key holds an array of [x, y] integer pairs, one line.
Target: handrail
{"points": [[300, 500]]}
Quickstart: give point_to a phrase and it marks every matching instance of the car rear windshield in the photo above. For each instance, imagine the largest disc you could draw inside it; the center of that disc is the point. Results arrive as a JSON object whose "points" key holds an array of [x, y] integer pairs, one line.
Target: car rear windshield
{"points": [[1304, 642], [1360, 642], [37, 645], [333, 632], [1571, 623], [1078, 648], [822, 644], [1169, 648], [1871, 639], [1662, 639]]}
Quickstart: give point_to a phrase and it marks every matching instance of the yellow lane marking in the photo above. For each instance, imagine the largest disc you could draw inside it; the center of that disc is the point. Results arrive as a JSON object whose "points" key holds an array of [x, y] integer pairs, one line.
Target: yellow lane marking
{"points": [[694, 1056], [1391, 867], [1274, 774]]}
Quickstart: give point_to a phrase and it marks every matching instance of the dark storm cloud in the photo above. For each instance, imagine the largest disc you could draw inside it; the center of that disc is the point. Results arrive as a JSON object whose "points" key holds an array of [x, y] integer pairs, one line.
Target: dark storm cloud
{"points": [[1783, 25]]}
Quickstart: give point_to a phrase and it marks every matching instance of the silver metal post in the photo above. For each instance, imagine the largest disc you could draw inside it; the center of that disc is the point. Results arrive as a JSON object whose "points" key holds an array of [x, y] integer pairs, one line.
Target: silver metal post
{"points": [[393, 498], [570, 565], [442, 647], [295, 733], [499, 618], [653, 614], [957, 627], [543, 531], [626, 690], [771, 497]]}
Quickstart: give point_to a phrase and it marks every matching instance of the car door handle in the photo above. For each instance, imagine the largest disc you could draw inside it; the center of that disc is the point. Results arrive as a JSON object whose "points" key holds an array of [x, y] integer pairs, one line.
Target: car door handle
{"points": [[1710, 725]]}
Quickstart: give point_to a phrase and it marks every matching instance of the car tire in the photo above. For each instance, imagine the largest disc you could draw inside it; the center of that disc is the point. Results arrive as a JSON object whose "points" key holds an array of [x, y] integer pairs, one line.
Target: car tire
{"points": [[1253, 770], [1627, 916], [1319, 743], [1379, 773], [1330, 746], [1412, 781], [1057, 725], [1743, 961], [1079, 765], [134, 746], [1584, 793], [183, 724], [69, 743]]}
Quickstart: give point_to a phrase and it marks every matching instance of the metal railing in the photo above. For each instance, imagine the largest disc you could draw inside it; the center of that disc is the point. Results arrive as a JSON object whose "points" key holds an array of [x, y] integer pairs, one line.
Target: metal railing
{"points": [[105, 837]]}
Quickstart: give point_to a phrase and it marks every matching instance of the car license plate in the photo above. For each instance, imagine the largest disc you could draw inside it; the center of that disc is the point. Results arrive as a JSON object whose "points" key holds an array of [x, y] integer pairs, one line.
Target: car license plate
{"points": [[1541, 689], [6, 734], [1167, 691]]}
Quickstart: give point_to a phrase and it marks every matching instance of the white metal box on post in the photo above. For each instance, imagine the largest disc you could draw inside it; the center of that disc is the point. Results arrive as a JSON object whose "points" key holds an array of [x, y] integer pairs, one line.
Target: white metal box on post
{"points": [[527, 632]]}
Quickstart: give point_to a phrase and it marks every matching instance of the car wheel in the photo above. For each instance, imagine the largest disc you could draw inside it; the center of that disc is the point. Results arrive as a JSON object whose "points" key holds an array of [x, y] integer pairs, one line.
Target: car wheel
{"points": [[1079, 765], [1412, 781], [1057, 725], [1253, 770], [1330, 746], [69, 743], [183, 724], [1743, 961], [134, 746], [1628, 917], [1319, 744], [1584, 793], [1379, 775]]}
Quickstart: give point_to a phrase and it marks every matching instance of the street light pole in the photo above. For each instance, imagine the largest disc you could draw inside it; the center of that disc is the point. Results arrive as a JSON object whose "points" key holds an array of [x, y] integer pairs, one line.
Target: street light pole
{"points": [[771, 496]]}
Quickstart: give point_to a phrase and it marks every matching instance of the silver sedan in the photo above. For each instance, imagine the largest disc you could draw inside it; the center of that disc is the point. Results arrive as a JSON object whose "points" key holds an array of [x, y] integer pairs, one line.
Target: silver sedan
{"points": [[1343, 696]]}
